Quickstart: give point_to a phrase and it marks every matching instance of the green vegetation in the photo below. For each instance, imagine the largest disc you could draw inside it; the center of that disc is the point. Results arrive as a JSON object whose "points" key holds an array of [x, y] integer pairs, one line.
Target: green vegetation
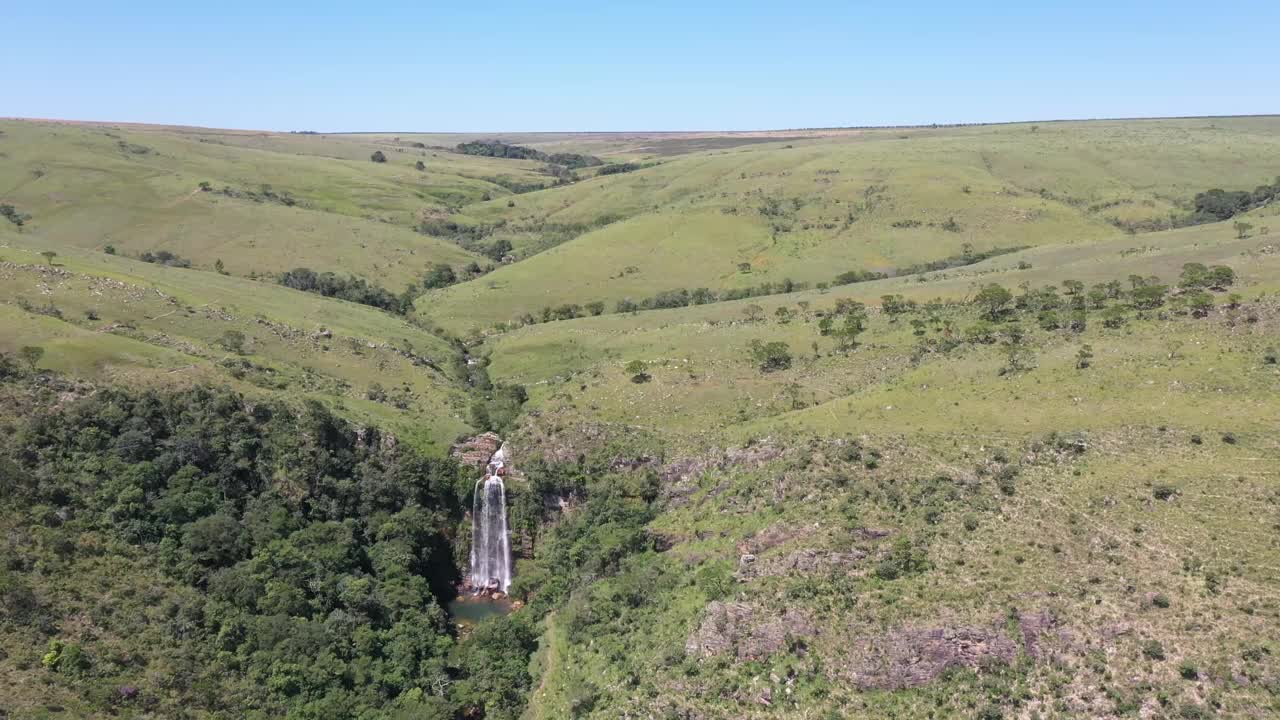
{"points": [[966, 422], [352, 289]]}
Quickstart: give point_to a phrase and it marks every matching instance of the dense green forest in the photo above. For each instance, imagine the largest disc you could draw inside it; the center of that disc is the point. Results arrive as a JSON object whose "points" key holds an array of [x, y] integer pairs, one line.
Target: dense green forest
{"points": [[237, 559]]}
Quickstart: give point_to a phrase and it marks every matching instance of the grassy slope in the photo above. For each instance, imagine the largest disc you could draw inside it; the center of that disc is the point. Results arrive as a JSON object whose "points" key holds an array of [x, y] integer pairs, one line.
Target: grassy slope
{"points": [[165, 324], [1082, 538], [82, 189], [675, 231], [702, 375]]}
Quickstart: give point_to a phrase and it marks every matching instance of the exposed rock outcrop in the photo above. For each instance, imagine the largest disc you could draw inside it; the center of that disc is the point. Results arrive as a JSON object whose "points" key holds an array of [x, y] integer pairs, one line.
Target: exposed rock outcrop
{"points": [[745, 631], [476, 451], [800, 561], [910, 657]]}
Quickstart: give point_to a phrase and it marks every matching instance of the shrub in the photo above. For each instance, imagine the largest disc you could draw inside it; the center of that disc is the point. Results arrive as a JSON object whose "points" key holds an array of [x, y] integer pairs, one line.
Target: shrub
{"points": [[1006, 479], [31, 355], [1160, 600], [1163, 491], [439, 275], [378, 157], [770, 356], [232, 341], [1084, 357], [1188, 670], [1153, 650], [636, 368], [904, 558]]}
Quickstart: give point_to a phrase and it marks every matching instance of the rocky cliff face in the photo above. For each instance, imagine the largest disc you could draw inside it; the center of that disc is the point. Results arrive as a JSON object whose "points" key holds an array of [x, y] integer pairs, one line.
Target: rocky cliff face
{"points": [[476, 451]]}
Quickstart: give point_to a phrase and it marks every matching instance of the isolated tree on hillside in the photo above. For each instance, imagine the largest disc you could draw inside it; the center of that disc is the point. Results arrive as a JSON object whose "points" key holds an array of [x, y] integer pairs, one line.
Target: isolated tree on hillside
{"points": [[31, 354], [419, 165], [994, 299], [636, 368], [378, 157], [753, 312], [770, 356], [1084, 357], [48, 256]]}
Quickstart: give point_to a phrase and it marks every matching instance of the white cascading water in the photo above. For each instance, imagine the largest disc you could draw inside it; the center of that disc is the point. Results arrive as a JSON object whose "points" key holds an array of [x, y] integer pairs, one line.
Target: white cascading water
{"points": [[490, 542]]}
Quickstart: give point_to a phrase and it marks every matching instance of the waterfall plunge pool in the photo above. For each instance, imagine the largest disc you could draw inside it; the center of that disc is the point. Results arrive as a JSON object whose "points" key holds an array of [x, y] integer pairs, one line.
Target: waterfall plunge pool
{"points": [[468, 610]]}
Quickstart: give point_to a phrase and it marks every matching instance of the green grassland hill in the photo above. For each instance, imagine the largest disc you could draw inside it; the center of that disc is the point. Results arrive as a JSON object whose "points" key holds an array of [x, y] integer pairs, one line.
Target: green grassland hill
{"points": [[1018, 462]]}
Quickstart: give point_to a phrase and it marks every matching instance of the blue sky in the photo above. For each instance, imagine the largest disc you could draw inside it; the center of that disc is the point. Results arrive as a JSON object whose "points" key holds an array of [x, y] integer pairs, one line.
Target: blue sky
{"points": [[489, 66]]}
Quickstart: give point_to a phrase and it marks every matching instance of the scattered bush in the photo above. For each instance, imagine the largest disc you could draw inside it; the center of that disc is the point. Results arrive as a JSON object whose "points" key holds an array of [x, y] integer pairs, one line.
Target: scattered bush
{"points": [[12, 215], [770, 356]]}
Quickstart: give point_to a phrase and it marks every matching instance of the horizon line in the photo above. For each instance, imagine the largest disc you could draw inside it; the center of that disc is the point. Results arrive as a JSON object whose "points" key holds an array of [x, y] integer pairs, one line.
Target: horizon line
{"points": [[827, 128]]}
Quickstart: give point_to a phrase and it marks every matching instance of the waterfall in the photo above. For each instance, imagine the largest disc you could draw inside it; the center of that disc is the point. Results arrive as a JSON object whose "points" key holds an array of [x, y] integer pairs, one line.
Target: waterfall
{"points": [[490, 541]]}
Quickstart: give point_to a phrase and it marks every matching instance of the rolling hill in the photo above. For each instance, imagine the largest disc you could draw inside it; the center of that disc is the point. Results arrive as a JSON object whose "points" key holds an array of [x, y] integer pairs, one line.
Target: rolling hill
{"points": [[1018, 462]]}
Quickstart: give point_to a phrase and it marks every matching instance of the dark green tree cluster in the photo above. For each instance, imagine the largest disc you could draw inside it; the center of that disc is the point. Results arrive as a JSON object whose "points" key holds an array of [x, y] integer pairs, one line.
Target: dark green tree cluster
{"points": [[499, 149], [574, 161], [618, 168], [350, 288], [496, 405], [1216, 205], [265, 193], [315, 557], [845, 323], [164, 257]]}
